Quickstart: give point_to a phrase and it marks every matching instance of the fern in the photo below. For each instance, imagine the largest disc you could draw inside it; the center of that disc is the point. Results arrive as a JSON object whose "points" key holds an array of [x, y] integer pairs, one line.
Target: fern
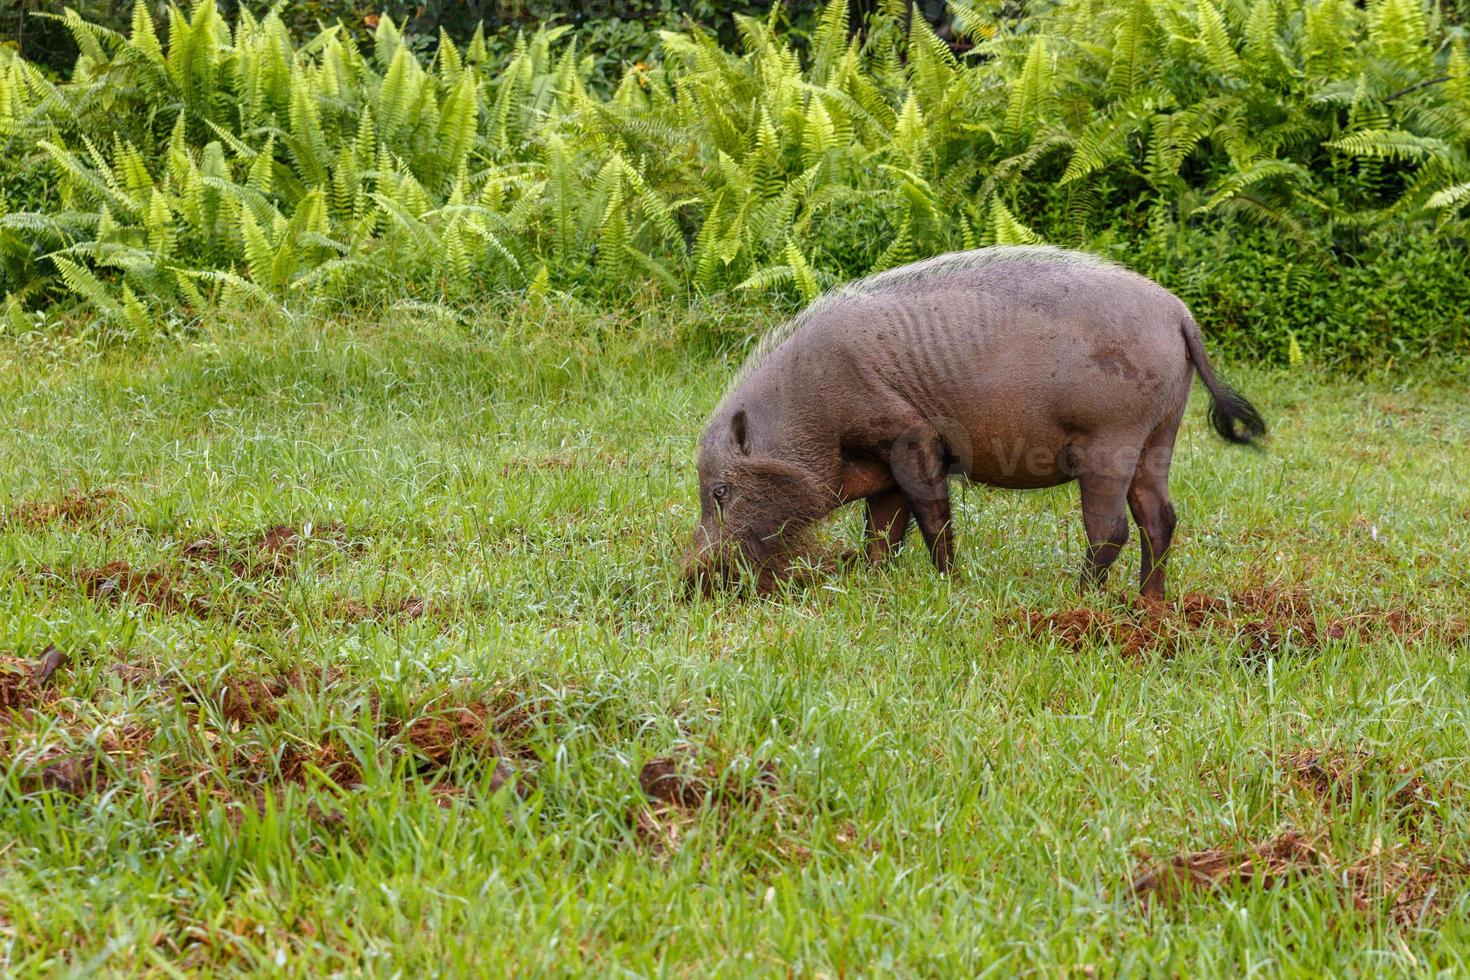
{"points": [[1389, 145], [1130, 49], [1215, 40], [802, 273], [1005, 229], [1031, 96], [194, 159], [83, 283]]}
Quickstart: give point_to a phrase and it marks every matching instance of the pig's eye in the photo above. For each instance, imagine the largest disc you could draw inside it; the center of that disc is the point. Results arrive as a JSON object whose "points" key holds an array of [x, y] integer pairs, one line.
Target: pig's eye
{"points": [[719, 491]]}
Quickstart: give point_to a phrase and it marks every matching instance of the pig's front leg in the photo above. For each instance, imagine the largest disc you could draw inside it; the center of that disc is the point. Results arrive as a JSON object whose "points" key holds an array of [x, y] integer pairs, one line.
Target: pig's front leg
{"points": [[920, 463]]}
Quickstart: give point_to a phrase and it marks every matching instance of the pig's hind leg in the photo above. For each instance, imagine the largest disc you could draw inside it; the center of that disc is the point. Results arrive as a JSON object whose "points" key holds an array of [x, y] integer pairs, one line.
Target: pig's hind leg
{"points": [[1148, 499], [1104, 475]]}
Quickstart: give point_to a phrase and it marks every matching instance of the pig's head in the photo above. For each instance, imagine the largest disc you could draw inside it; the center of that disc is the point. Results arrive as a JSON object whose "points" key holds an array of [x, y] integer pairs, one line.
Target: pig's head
{"points": [[755, 508]]}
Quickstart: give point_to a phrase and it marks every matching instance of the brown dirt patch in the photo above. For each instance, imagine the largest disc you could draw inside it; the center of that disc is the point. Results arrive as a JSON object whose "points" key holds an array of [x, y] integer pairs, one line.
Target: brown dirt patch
{"points": [[1409, 884], [23, 684], [668, 780], [1266, 619], [1405, 883], [455, 752], [357, 611], [135, 674], [467, 731], [119, 582], [440, 749], [1134, 635], [1268, 863], [680, 785], [296, 762], [245, 700], [81, 771], [267, 554], [73, 508], [1336, 778], [206, 550], [515, 717], [74, 775], [680, 780], [437, 737]]}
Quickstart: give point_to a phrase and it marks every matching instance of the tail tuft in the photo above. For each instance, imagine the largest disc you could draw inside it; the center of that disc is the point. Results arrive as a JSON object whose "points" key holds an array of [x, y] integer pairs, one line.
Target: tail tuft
{"points": [[1232, 416], [1236, 419]]}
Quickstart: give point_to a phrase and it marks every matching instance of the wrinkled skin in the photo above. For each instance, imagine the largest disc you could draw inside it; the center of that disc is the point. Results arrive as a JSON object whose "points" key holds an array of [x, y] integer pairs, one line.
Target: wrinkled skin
{"points": [[1018, 368]]}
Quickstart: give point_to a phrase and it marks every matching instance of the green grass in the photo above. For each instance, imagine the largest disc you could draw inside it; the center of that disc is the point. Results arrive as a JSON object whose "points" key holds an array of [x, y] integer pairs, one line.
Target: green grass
{"points": [[952, 789]]}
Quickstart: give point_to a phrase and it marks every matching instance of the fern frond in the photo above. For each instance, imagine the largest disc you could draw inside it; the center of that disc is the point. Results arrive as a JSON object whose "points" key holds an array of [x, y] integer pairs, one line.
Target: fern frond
{"points": [[1388, 144]]}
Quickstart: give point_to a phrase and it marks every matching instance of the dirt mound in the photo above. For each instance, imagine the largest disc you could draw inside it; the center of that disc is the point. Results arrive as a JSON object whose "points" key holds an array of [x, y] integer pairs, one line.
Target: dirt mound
{"points": [[441, 746], [244, 700], [296, 762], [23, 684], [1267, 862], [463, 732], [667, 781], [180, 588], [1338, 777], [267, 554], [83, 771], [679, 780], [356, 611], [1266, 619], [437, 737], [1407, 884], [118, 582], [74, 508], [453, 751], [680, 786]]}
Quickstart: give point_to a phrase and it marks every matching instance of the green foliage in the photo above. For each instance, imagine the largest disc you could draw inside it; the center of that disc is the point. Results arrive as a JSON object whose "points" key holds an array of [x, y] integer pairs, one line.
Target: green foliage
{"points": [[196, 156], [1404, 300], [918, 776]]}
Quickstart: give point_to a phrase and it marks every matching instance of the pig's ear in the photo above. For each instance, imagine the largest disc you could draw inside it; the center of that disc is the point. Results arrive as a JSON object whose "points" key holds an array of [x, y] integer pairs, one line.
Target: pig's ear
{"points": [[739, 434]]}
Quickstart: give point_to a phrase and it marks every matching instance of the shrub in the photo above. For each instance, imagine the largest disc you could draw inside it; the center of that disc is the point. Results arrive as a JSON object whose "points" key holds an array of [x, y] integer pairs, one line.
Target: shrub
{"points": [[204, 158]]}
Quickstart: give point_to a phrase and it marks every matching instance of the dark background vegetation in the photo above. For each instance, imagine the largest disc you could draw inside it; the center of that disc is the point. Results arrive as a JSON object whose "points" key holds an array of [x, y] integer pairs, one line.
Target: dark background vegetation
{"points": [[624, 27], [1355, 293], [618, 30]]}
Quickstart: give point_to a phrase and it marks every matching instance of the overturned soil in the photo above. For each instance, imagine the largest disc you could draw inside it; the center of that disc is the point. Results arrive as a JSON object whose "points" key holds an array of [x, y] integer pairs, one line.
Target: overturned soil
{"points": [[1266, 862], [184, 587], [1265, 619], [73, 508], [270, 553], [118, 582], [25, 684], [355, 610], [682, 780], [680, 786], [1406, 883], [245, 700], [452, 750], [1338, 778]]}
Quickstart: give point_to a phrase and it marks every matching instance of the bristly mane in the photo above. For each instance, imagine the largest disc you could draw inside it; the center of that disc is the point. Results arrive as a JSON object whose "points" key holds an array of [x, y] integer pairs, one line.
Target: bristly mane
{"points": [[902, 276]]}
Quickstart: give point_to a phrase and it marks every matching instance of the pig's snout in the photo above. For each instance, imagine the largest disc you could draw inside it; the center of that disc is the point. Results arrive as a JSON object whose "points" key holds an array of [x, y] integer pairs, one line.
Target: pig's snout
{"points": [[699, 565]]}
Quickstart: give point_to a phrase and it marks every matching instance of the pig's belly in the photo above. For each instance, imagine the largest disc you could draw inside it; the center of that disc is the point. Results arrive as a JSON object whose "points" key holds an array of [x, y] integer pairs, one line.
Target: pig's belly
{"points": [[1022, 453], [996, 459], [1015, 464]]}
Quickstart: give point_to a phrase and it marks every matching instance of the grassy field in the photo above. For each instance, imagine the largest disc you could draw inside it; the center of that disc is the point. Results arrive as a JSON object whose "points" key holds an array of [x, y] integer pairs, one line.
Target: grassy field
{"points": [[375, 660]]}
